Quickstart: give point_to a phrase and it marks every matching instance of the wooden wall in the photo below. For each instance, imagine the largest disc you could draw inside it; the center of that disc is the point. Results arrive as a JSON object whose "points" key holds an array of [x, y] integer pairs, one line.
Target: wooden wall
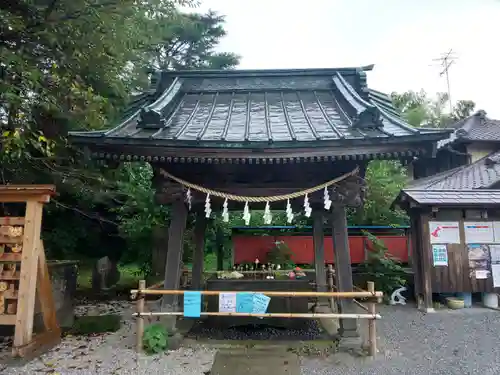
{"points": [[455, 277]]}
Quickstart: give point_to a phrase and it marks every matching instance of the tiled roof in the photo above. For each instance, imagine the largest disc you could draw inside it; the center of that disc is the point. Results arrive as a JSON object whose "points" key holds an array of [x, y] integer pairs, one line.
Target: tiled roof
{"points": [[482, 174], [233, 108], [454, 197], [475, 128]]}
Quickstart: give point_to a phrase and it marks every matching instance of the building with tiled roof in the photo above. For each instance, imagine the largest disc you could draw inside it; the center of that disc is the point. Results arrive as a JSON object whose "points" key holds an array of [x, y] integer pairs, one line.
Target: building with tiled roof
{"points": [[281, 111], [472, 139], [459, 190], [469, 159]]}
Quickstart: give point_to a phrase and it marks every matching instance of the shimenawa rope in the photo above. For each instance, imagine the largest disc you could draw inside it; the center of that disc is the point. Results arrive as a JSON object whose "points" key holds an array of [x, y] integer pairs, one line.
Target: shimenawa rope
{"points": [[272, 198]]}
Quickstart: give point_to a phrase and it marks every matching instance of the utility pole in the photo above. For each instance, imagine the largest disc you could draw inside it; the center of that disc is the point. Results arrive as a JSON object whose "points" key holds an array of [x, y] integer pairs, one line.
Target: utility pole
{"points": [[445, 61]]}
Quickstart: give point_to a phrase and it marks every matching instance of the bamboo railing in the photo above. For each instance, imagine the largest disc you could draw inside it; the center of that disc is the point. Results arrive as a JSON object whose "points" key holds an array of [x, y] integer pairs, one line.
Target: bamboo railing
{"points": [[140, 293]]}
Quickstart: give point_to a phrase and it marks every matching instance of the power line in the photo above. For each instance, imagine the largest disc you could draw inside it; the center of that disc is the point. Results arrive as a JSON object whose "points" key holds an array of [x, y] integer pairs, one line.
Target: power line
{"points": [[445, 61]]}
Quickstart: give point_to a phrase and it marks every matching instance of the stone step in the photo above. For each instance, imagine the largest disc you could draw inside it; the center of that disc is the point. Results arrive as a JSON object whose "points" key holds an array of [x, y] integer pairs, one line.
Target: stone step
{"points": [[260, 361]]}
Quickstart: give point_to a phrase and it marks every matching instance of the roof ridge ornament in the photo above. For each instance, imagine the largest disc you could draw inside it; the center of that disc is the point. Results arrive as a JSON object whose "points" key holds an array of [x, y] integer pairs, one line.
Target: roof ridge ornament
{"points": [[366, 115], [154, 115], [481, 114], [492, 160]]}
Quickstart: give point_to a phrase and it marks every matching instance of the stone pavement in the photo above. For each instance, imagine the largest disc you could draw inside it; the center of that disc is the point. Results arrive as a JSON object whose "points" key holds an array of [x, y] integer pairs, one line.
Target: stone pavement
{"points": [[275, 361]]}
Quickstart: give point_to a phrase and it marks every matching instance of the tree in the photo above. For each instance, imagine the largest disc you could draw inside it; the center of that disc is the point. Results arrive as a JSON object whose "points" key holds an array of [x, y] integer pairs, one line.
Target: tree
{"points": [[421, 111], [69, 65], [384, 180], [190, 44], [66, 64]]}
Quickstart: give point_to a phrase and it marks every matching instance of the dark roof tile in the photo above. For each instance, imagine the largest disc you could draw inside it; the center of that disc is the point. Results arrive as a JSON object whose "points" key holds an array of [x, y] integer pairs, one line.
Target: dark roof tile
{"points": [[482, 174], [235, 107], [454, 197], [475, 128]]}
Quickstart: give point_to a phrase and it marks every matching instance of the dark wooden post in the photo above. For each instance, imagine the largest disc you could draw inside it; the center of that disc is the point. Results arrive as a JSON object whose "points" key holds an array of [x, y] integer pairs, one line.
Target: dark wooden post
{"points": [[343, 271], [199, 250], [159, 256], [416, 263], [426, 261], [319, 251], [219, 243], [174, 254]]}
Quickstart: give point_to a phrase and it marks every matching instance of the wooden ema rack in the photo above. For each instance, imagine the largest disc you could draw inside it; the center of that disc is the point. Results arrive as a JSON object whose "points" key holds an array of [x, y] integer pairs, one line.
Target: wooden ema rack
{"points": [[24, 273]]}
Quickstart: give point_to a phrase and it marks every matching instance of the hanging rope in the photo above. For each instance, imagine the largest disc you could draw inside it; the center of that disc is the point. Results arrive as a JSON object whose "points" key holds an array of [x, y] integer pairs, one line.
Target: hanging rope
{"points": [[272, 198]]}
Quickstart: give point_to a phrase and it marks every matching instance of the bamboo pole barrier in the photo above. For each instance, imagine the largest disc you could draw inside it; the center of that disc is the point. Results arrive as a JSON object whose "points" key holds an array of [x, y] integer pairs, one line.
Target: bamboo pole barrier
{"points": [[154, 286], [331, 287], [267, 293], [372, 332], [361, 305], [140, 320], [357, 288], [269, 315]]}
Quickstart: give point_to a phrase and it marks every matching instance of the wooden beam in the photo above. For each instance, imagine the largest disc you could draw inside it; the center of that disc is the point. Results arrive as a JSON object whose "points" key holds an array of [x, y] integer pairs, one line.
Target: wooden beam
{"points": [[27, 283], [11, 220], [219, 239], [343, 270], [174, 254], [426, 261], [199, 250], [319, 251], [45, 295], [415, 236]]}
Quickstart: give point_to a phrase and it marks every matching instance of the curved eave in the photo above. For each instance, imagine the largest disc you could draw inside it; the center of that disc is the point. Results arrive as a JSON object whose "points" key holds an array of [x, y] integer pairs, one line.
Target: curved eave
{"points": [[102, 140]]}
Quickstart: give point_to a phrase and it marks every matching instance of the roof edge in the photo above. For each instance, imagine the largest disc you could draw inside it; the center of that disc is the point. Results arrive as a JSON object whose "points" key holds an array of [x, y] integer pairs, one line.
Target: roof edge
{"points": [[267, 72]]}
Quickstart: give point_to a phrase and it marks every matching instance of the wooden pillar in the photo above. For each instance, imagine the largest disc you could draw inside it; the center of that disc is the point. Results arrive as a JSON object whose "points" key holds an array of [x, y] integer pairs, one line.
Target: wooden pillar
{"points": [[174, 254], [319, 251], [199, 251], [416, 262], [426, 256], [219, 241], [27, 284], [343, 271], [159, 255]]}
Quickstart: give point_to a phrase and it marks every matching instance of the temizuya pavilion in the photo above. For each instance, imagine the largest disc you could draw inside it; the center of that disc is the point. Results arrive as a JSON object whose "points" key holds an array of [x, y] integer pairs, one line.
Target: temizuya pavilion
{"points": [[261, 135]]}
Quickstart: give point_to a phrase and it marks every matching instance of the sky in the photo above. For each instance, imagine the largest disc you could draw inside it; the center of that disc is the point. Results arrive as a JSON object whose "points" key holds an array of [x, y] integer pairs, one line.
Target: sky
{"points": [[401, 37]]}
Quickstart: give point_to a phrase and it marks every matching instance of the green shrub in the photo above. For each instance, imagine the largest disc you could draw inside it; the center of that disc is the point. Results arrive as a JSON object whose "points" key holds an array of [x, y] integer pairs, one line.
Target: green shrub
{"points": [[380, 267], [155, 339], [86, 325]]}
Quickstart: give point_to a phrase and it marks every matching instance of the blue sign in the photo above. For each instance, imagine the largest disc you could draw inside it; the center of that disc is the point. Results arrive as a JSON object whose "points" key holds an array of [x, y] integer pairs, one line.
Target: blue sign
{"points": [[192, 304], [244, 303], [260, 303]]}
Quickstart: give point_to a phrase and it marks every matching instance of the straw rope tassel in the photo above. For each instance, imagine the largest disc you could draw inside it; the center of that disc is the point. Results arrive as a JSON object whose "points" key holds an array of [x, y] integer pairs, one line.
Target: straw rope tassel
{"points": [[249, 199]]}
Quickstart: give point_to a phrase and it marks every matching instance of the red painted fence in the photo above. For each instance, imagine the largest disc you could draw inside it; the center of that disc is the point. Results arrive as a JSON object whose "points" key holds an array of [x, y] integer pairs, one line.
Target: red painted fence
{"points": [[247, 248]]}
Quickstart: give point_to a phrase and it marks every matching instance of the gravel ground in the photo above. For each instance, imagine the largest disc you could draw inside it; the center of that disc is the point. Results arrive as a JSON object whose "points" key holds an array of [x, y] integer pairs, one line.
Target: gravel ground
{"points": [[311, 331], [461, 342], [113, 353], [447, 342]]}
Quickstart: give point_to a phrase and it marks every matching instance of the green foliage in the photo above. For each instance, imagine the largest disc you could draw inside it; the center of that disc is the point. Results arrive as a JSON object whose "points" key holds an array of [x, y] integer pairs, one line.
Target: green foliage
{"points": [[387, 272], [421, 111], [384, 180], [138, 214], [67, 65], [190, 43], [86, 325], [281, 254], [155, 339]]}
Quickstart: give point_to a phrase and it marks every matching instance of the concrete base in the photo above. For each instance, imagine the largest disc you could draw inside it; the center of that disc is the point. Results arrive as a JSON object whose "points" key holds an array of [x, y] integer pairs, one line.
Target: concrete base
{"points": [[255, 362], [427, 310], [349, 344]]}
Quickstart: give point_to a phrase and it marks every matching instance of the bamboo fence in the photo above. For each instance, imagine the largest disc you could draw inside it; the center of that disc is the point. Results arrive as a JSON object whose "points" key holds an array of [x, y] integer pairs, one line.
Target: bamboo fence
{"points": [[140, 293]]}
